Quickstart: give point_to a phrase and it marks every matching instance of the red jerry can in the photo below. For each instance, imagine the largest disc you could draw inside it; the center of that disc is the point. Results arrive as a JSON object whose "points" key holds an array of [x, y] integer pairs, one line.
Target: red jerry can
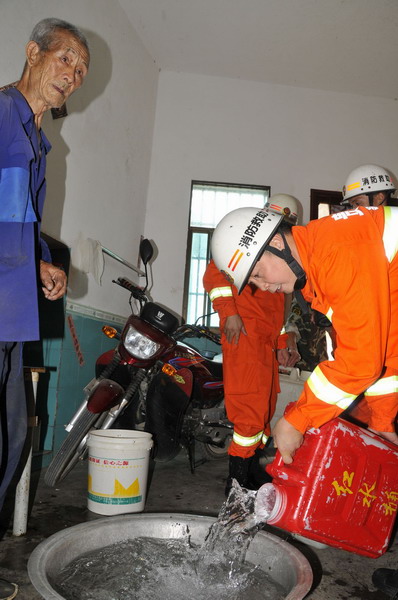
{"points": [[340, 490]]}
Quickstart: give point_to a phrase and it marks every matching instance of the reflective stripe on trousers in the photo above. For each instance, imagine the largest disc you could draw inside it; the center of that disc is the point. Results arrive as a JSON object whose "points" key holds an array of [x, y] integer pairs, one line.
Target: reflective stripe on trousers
{"points": [[247, 441], [383, 386]]}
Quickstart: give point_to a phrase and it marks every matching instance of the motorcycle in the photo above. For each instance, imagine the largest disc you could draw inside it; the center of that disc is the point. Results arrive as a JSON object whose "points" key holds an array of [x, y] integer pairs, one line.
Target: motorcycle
{"points": [[156, 380]]}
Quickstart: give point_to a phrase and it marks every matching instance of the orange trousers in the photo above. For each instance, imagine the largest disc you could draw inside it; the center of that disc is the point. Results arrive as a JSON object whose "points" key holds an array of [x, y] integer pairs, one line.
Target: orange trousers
{"points": [[251, 385]]}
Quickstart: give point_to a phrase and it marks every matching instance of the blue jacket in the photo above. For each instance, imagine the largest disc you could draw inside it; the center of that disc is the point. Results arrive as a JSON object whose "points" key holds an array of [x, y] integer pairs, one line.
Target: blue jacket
{"points": [[22, 193]]}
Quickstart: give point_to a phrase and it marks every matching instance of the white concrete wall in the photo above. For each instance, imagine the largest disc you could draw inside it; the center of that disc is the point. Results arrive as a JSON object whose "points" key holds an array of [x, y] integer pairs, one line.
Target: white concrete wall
{"points": [[207, 128], [227, 130], [98, 168]]}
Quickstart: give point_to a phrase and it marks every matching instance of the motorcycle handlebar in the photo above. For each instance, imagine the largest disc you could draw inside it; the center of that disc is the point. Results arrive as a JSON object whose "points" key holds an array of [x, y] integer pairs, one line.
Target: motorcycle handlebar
{"points": [[199, 331], [134, 290]]}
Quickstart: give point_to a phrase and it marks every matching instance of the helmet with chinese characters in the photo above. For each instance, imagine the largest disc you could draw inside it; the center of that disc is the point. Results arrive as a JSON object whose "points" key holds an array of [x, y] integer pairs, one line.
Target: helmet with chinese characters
{"points": [[367, 179], [240, 239]]}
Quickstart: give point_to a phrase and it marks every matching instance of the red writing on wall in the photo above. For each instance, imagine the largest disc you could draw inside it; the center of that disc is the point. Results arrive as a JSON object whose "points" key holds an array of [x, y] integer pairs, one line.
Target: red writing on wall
{"points": [[75, 341]]}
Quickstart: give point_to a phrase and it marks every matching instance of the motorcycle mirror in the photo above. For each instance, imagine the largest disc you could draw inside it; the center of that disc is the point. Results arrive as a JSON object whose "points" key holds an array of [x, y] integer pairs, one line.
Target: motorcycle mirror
{"points": [[146, 251]]}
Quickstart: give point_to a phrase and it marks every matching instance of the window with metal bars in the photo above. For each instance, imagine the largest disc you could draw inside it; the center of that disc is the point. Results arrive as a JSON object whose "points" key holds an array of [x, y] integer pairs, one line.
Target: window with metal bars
{"points": [[209, 203]]}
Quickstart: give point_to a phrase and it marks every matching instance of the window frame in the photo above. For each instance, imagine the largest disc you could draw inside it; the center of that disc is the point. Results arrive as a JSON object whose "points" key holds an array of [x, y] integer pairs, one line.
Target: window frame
{"points": [[208, 308], [209, 230], [329, 197]]}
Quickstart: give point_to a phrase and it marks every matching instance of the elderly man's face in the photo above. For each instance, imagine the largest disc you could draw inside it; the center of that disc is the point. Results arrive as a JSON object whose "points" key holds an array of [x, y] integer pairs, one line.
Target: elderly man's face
{"points": [[272, 274], [59, 71]]}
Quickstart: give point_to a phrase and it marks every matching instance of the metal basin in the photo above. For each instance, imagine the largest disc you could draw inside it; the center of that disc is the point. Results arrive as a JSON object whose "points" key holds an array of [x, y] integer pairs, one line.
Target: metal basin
{"points": [[283, 563]]}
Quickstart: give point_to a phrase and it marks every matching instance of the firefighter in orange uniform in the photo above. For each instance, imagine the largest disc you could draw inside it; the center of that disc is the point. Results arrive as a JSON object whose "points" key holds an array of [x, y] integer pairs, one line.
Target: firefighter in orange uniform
{"points": [[375, 194], [252, 346], [347, 267], [385, 580]]}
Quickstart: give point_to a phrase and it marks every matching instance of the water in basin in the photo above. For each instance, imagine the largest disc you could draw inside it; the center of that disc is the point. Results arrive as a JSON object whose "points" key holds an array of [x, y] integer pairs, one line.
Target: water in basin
{"points": [[177, 569]]}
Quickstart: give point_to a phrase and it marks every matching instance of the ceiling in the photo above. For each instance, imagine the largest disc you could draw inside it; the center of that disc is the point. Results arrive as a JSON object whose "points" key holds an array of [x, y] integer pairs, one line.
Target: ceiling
{"points": [[339, 45]]}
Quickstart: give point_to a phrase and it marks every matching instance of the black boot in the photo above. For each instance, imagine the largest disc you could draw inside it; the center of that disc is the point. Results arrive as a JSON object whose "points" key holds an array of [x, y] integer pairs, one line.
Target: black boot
{"points": [[239, 470], [257, 473], [386, 580]]}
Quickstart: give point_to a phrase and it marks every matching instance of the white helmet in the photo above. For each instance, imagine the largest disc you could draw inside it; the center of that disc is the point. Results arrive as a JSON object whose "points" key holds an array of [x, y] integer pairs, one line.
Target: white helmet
{"points": [[239, 240], [367, 179], [286, 205]]}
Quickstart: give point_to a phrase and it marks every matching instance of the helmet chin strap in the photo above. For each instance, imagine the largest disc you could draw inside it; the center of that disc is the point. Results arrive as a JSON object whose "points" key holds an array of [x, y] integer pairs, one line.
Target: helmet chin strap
{"points": [[299, 272], [292, 263]]}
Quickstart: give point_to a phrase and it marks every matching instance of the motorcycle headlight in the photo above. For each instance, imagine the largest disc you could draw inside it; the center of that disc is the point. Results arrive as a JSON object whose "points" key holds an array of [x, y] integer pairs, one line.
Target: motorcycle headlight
{"points": [[139, 345]]}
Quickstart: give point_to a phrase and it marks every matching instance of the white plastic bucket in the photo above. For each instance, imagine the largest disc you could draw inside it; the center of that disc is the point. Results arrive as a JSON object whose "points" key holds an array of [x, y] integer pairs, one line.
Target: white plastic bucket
{"points": [[118, 465]]}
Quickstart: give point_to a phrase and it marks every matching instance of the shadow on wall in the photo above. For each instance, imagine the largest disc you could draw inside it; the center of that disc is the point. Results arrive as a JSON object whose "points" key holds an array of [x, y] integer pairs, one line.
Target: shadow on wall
{"points": [[96, 82], [52, 314], [77, 283]]}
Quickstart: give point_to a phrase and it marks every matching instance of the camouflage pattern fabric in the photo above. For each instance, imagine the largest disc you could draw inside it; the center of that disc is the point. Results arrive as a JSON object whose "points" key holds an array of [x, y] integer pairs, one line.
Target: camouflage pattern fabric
{"points": [[312, 343]]}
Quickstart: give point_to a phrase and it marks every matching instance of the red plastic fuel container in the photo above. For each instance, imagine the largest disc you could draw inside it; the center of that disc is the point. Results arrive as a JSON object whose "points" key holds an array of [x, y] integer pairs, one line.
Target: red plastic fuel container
{"points": [[340, 490]]}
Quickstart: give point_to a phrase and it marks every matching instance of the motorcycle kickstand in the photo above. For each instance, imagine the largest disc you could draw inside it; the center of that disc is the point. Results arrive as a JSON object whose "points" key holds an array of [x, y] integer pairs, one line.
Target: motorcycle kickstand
{"points": [[191, 455]]}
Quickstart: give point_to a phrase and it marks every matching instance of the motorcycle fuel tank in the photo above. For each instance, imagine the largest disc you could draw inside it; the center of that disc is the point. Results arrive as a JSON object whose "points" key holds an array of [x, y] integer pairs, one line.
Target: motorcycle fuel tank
{"points": [[207, 376]]}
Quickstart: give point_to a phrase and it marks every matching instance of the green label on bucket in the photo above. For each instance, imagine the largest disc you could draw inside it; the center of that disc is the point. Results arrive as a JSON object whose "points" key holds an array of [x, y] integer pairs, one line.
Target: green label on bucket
{"points": [[117, 501]]}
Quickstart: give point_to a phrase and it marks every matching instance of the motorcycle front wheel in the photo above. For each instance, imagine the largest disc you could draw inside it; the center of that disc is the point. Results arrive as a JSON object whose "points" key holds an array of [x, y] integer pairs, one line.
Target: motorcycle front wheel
{"points": [[72, 449]]}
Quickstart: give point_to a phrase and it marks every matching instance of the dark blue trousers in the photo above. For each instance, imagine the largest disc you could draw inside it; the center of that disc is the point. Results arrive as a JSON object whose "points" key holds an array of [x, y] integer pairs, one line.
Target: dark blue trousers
{"points": [[13, 413]]}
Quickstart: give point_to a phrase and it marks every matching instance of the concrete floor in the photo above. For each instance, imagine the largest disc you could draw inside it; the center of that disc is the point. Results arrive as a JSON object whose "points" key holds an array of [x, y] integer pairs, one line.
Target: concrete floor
{"points": [[338, 575]]}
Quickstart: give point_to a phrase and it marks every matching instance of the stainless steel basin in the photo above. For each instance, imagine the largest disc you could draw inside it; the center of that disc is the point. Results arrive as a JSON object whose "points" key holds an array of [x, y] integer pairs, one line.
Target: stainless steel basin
{"points": [[283, 563]]}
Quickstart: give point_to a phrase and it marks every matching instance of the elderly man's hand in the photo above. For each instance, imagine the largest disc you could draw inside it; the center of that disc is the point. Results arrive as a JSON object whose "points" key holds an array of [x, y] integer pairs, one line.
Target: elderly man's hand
{"points": [[53, 280], [287, 439]]}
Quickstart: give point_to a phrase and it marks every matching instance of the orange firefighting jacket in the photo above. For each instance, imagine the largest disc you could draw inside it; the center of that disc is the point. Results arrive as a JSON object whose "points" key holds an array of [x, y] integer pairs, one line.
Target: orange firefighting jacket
{"points": [[266, 308], [351, 263]]}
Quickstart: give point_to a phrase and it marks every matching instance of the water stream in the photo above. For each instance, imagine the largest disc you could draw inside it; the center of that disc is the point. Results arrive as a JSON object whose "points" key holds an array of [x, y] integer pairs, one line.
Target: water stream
{"points": [[176, 569]]}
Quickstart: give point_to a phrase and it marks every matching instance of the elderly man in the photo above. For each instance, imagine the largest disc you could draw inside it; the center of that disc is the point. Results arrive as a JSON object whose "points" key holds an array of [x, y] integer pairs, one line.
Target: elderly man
{"points": [[57, 60]]}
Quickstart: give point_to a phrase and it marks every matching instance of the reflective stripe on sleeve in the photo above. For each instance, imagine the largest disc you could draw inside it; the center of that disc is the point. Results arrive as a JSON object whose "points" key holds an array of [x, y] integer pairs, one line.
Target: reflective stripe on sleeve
{"points": [[386, 385], [220, 292], [390, 238], [247, 441], [264, 439], [327, 392], [329, 314]]}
